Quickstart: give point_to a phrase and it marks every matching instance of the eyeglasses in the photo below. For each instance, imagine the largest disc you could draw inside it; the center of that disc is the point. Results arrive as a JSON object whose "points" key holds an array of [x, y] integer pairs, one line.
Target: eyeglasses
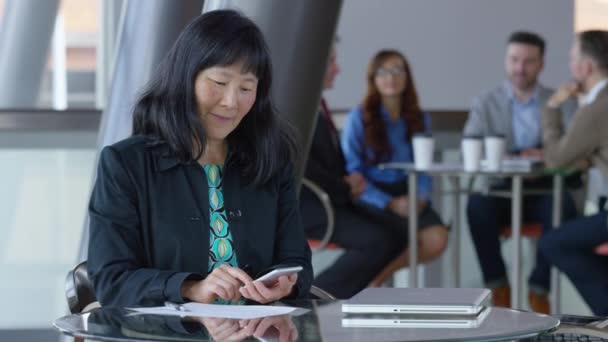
{"points": [[385, 72]]}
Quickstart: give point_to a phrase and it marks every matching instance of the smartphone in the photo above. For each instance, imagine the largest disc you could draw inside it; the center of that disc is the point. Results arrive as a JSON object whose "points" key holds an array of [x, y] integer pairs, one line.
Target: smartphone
{"points": [[272, 276]]}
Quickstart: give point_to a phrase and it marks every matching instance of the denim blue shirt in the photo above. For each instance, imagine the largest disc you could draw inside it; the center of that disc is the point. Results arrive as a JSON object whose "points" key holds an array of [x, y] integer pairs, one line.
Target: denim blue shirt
{"points": [[526, 120], [353, 139]]}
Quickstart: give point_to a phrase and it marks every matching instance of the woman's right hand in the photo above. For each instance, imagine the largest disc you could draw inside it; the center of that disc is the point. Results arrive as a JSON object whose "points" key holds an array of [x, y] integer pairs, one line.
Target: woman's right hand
{"points": [[223, 282]]}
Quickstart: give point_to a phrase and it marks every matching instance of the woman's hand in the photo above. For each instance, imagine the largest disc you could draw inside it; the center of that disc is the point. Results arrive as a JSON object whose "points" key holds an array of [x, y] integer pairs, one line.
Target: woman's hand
{"points": [[357, 184], [223, 282], [263, 294], [401, 206], [271, 326]]}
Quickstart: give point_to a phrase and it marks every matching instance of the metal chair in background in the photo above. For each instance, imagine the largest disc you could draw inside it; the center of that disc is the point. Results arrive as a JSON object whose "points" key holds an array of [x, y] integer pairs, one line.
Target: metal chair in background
{"points": [[385, 275]]}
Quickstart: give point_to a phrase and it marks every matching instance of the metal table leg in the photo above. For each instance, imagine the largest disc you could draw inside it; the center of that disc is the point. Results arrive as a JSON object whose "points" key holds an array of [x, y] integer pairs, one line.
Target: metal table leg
{"points": [[516, 222], [455, 182], [413, 228], [558, 191]]}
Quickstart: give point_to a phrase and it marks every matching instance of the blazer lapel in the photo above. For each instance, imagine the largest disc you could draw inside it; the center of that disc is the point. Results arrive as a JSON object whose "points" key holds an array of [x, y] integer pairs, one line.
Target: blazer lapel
{"points": [[196, 183], [199, 194], [198, 189], [190, 201], [330, 139]]}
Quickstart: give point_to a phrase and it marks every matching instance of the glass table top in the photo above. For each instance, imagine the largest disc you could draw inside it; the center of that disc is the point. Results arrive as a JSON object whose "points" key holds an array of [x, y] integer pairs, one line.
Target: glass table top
{"points": [[321, 320]]}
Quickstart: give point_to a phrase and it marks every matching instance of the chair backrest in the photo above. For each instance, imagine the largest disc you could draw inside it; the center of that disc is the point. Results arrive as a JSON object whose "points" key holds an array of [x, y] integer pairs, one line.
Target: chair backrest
{"points": [[320, 293], [329, 211], [79, 289]]}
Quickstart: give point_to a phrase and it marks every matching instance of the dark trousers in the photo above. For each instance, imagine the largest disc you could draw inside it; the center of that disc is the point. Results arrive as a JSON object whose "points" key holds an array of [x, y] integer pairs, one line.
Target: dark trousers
{"points": [[368, 247], [487, 215], [571, 249]]}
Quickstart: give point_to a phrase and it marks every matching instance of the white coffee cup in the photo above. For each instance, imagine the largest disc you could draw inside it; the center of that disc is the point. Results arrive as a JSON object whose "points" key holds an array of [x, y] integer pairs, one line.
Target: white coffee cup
{"points": [[495, 151], [472, 149], [424, 146]]}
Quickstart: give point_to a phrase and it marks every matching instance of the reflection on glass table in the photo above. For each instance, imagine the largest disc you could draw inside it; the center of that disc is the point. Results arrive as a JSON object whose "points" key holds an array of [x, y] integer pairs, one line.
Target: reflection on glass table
{"points": [[322, 321], [414, 321]]}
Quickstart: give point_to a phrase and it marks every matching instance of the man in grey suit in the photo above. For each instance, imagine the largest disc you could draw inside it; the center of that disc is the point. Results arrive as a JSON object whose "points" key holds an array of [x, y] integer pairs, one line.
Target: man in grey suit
{"points": [[513, 110]]}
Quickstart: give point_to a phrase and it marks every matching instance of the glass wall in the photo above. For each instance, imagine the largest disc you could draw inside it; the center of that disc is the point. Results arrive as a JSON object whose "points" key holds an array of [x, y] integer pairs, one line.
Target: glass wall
{"points": [[45, 175], [45, 186]]}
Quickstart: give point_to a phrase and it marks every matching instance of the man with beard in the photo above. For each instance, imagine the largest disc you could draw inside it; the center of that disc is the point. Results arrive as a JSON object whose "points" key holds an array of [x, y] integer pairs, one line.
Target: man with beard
{"points": [[513, 110]]}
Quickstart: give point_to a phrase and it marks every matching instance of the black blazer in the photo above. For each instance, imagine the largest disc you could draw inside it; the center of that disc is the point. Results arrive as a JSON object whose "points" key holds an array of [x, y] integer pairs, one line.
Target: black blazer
{"points": [[149, 224], [326, 166]]}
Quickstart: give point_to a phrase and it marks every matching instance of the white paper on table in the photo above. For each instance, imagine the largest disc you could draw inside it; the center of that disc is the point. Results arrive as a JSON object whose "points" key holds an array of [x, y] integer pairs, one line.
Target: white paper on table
{"points": [[219, 311]]}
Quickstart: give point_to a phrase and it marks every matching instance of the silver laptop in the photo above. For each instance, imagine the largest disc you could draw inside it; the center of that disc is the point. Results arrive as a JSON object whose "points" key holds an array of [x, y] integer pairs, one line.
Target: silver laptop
{"points": [[431, 301], [415, 321]]}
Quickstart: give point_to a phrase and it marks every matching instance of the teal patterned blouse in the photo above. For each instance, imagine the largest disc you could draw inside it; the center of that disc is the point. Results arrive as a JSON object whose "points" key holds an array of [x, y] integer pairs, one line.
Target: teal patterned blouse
{"points": [[221, 244]]}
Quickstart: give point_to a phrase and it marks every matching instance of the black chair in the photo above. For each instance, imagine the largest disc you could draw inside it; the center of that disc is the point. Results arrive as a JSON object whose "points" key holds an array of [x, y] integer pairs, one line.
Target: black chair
{"points": [[319, 293], [79, 289]]}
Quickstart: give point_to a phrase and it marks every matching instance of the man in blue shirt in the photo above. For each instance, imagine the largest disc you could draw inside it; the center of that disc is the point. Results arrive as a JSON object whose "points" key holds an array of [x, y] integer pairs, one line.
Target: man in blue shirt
{"points": [[513, 110]]}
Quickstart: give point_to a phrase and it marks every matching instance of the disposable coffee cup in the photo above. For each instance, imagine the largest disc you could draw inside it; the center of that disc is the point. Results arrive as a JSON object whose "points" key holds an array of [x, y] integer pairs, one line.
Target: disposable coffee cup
{"points": [[472, 149], [424, 146], [495, 151]]}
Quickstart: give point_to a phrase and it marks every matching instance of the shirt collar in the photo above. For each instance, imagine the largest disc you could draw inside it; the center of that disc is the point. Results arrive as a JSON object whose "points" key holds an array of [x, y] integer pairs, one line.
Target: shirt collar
{"points": [[593, 92], [511, 93]]}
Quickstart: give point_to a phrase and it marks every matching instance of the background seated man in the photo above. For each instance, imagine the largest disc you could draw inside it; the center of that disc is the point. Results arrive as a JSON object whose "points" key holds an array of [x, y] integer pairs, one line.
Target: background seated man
{"points": [[571, 247], [513, 111]]}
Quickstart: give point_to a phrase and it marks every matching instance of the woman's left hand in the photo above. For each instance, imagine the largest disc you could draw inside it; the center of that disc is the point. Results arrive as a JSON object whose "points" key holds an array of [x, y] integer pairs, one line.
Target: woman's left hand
{"points": [[263, 294]]}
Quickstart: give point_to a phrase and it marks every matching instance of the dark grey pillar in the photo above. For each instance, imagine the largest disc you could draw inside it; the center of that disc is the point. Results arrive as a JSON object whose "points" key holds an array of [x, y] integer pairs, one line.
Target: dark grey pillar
{"points": [[25, 37], [300, 34]]}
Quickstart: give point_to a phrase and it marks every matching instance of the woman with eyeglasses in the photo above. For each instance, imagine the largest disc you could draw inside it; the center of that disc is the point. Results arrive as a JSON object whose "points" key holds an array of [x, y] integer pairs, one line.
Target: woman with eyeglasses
{"points": [[380, 130]]}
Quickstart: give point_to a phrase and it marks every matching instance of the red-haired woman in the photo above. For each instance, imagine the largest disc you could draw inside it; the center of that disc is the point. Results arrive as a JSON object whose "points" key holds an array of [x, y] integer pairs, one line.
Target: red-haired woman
{"points": [[380, 130]]}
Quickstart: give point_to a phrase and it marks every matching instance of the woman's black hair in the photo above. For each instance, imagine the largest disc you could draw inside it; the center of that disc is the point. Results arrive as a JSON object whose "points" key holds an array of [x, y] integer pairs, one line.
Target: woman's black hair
{"points": [[167, 112]]}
